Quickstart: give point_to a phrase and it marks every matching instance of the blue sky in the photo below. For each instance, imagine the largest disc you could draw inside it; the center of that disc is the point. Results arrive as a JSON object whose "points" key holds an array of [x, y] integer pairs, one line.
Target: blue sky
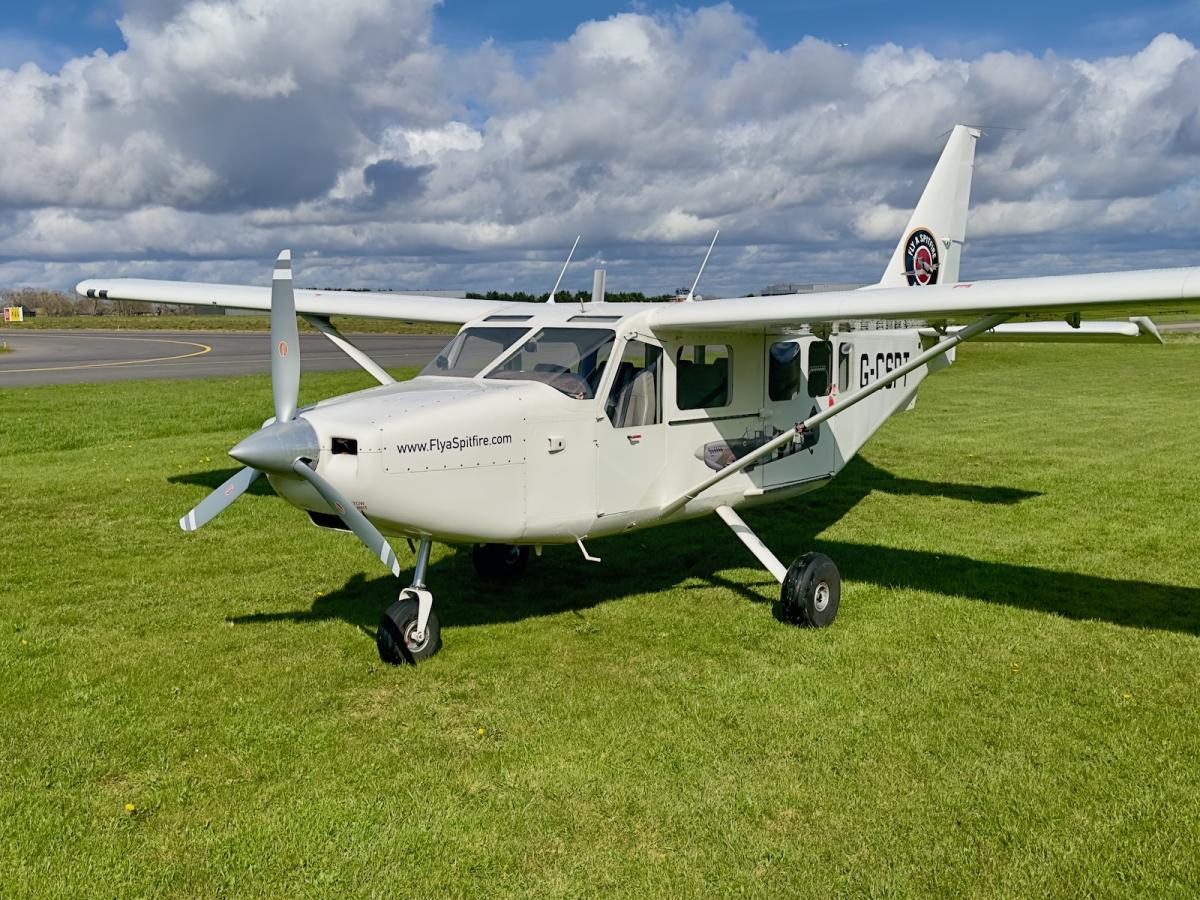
{"points": [[1091, 28], [410, 144], [55, 30]]}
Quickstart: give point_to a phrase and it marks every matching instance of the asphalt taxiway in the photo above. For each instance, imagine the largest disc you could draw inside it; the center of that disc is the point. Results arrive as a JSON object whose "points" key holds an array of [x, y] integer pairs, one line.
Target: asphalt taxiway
{"points": [[70, 356], [80, 357]]}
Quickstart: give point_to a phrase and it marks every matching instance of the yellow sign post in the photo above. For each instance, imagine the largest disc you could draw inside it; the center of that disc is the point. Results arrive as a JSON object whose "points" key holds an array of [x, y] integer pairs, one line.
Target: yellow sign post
{"points": [[14, 314]]}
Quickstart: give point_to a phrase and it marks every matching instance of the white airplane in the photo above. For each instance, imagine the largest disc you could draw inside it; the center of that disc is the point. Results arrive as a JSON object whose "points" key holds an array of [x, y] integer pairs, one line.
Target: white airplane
{"points": [[560, 422]]}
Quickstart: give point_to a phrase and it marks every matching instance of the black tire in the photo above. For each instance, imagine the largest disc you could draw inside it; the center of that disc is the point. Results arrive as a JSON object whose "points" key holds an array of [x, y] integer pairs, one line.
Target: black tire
{"points": [[499, 561], [393, 639], [811, 591]]}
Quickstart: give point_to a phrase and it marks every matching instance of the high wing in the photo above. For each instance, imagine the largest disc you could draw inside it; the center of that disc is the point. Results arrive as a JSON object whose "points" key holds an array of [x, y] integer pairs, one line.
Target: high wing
{"points": [[404, 307], [1144, 292]]}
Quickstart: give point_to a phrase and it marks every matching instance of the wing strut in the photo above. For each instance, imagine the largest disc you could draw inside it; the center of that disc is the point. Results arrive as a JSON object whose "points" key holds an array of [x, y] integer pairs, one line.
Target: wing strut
{"points": [[323, 325], [943, 346]]}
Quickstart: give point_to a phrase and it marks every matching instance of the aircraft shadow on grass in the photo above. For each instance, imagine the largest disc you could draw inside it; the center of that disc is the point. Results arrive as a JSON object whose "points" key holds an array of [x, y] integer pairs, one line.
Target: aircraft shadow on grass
{"points": [[217, 477], [662, 559]]}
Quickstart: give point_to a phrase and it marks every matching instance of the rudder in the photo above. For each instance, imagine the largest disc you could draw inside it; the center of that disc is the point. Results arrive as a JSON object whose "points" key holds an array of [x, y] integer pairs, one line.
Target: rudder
{"points": [[931, 247]]}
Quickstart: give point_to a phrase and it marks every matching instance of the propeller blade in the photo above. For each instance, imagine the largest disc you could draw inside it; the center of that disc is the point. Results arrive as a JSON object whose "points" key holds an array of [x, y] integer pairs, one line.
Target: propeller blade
{"points": [[349, 514], [285, 340], [214, 504]]}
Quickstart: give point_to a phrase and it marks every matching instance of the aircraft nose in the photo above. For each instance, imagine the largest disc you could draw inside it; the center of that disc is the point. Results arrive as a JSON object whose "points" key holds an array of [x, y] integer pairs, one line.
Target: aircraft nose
{"points": [[276, 447]]}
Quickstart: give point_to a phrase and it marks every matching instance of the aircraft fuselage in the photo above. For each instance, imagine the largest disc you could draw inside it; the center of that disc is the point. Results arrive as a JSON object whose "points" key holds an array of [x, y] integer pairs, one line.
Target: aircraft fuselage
{"points": [[497, 458]]}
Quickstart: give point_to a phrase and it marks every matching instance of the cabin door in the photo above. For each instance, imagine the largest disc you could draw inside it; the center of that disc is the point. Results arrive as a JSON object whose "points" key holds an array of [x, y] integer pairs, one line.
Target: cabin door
{"points": [[801, 379], [630, 434]]}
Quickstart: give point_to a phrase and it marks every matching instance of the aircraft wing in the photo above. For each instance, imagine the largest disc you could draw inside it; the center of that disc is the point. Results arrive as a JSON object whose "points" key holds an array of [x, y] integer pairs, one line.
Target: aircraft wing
{"points": [[404, 307], [1145, 292]]}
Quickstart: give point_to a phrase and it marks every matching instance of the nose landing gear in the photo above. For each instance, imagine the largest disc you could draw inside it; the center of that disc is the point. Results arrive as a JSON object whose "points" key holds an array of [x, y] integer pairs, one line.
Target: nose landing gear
{"points": [[409, 630]]}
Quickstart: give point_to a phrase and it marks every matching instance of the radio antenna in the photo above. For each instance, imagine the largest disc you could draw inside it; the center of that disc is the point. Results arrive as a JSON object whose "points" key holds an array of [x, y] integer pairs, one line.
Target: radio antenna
{"points": [[564, 268], [695, 284]]}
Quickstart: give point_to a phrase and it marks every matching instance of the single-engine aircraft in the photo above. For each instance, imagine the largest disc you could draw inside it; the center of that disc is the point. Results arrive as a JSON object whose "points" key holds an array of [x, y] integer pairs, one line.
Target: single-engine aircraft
{"points": [[560, 422]]}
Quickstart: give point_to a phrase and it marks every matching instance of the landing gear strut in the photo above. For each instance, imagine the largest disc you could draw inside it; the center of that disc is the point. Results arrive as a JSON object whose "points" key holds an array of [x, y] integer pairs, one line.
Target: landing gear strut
{"points": [[409, 630]]}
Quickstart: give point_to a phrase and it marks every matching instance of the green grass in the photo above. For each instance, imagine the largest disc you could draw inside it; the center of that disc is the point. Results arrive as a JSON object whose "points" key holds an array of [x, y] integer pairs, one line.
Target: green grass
{"points": [[354, 325], [1008, 704]]}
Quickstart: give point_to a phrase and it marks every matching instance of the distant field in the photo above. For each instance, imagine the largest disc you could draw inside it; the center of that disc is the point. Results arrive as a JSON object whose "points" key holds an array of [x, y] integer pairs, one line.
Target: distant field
{"points": [[222, 323], [1008, 704]]}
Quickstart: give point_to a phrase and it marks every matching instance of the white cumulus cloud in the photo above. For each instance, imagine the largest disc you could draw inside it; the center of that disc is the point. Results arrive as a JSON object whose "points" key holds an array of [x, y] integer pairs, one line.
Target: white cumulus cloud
{"points": [[229, 128]]}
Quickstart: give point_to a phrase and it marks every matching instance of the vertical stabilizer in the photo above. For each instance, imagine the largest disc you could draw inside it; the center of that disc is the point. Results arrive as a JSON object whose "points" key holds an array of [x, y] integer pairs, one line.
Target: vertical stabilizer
{"points": [[931, 246]]}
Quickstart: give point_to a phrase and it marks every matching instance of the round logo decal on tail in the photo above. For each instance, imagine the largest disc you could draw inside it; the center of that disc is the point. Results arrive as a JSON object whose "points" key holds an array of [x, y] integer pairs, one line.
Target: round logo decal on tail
{"points": [[283, 348], [921, 258]]}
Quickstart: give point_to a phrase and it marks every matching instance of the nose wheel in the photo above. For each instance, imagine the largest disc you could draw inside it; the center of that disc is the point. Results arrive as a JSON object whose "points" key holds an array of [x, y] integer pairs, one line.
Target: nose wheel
{"points": [[399, 638], [409, 630]]}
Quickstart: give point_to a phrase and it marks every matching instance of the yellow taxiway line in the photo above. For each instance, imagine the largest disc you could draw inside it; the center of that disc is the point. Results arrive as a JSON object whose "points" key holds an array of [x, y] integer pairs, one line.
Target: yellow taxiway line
{"points": [[204, 348]]}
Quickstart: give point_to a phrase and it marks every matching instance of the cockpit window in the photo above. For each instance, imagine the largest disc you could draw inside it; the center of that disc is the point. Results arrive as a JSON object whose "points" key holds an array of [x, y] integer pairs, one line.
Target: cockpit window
{"points": [[570, 360], [472, 351]]}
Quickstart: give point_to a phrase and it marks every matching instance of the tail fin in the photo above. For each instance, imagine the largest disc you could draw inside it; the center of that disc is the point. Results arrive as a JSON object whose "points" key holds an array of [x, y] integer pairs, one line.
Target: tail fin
{"points": [[930, 249]]}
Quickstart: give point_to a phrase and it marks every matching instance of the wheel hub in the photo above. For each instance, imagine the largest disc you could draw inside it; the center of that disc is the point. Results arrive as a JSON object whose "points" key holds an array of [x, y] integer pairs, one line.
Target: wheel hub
{"points": [[821, 596], [414, 640]]}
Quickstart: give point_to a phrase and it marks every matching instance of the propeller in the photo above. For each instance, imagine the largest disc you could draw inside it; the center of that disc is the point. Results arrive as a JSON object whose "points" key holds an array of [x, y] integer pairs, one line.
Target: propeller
{"points": [[285, 340], [212, 505], [288, 445]]}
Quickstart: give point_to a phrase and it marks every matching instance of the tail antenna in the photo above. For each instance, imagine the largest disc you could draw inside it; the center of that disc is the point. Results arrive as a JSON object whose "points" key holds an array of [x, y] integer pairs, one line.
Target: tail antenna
{"points": [[564, 268], [696, 283]]}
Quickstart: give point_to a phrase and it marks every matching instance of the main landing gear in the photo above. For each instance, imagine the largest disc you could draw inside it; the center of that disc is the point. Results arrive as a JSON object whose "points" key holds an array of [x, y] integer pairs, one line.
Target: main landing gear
{"points": [[811, 591], [810, 588], [409, 630]]}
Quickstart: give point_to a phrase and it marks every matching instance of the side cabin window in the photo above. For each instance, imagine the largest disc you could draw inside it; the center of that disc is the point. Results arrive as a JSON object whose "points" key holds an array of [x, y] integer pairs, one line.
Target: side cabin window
{"points": [[702, 376], [845, 353], [784, 373], [820, 362], [635, 398]]}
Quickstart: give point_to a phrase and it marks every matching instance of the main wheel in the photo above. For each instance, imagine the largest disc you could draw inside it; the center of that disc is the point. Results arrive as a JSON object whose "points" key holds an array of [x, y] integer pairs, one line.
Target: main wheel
{"points": [[499, 560], [394, 639], [811, 591]]}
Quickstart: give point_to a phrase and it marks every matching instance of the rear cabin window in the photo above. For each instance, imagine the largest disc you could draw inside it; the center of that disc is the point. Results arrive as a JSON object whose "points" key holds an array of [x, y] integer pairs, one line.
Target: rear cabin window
{"points": [[820, 361], [784, 372], [845, 353], [702, 376]]}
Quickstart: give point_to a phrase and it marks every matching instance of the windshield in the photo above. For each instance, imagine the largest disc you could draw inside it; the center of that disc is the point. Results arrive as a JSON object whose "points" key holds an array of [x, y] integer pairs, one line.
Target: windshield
{"points": [[472, 351], [570, 360]]}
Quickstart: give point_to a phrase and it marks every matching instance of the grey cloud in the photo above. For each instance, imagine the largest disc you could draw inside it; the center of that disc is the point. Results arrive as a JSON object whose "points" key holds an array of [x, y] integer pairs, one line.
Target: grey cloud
{"points": [[391, 180]]}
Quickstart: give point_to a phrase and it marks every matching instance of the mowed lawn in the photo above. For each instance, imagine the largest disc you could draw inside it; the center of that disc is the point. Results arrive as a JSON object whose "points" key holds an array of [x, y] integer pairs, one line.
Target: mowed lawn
{"points": [[1008, 703]]}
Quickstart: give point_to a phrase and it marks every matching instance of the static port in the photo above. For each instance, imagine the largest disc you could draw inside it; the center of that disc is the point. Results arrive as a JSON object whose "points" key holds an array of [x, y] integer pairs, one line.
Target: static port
{"points": [[348, 446]]}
